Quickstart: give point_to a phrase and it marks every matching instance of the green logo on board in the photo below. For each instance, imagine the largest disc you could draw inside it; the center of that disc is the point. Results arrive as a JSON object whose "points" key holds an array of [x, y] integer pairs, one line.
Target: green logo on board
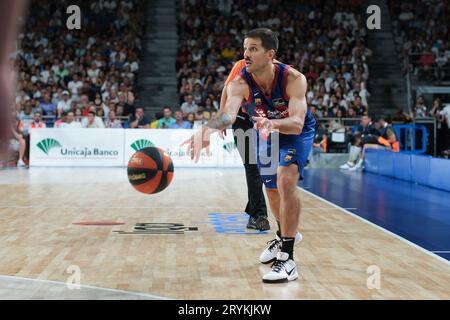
{"points": [[141, 144], [47, 144]]}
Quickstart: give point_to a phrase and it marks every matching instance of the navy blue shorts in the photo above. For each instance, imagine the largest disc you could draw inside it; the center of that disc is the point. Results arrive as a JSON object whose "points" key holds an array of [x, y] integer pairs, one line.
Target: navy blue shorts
{"points": [[287, 150]]}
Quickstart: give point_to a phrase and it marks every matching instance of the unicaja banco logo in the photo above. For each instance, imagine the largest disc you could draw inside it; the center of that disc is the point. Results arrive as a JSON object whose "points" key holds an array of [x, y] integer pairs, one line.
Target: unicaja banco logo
{"points": [[229, 147], [141, 144], [47, 144]]}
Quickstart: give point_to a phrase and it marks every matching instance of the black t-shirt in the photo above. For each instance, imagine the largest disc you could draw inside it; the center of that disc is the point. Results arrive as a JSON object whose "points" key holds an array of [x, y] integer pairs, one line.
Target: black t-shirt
{"points": [[128, 109], [319, 134], [369, 130], [143, 122]]}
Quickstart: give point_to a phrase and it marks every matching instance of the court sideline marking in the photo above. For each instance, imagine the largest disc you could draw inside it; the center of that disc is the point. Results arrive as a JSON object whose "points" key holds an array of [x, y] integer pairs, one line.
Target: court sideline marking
{"points": [[428, 252], [139, 294], [145, 207]]}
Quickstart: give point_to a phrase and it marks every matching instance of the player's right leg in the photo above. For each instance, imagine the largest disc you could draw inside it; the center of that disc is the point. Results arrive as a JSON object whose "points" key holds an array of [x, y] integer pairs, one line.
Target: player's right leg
{"points": [[269, 254]]}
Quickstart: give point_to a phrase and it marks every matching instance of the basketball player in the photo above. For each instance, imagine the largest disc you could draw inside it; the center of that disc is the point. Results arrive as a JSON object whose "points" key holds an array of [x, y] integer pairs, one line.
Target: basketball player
{"points": [[9, 13], [256, 205], [274, 96]]}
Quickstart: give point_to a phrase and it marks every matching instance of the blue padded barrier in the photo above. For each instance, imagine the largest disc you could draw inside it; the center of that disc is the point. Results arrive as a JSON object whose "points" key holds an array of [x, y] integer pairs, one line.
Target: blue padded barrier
{"points": [[440, 174], [425, 170], [420, 169], [371, 161], [402, 166], [386, 163]]}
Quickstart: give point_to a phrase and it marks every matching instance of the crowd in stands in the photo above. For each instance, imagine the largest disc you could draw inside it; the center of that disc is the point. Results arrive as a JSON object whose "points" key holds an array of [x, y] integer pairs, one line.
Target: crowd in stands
{"points": [[87, 78], [423, 31], [423, 28], [78, 78], [326, 43]]}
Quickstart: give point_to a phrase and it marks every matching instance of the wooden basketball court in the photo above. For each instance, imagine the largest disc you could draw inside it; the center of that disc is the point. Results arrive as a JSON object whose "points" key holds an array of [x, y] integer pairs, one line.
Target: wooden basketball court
{"points": [[40, 242]]}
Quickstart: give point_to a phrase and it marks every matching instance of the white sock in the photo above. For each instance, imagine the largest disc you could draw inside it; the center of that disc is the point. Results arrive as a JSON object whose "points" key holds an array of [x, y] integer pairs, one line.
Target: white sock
{"points": [[354, 153]]}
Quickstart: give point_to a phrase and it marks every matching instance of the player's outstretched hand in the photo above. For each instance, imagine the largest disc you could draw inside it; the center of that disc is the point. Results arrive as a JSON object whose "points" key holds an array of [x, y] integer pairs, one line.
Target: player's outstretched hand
{"points": [[223, 134], [197, 142]]}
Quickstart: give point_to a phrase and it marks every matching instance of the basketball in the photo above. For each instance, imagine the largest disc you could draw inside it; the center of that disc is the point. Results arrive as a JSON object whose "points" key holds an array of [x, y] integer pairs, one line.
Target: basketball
{"points": [[150, 170]]}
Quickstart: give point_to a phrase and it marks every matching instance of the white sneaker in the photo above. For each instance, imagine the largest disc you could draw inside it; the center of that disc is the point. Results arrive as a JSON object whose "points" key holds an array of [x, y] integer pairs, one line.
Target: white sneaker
{"points": [[269, 254], [21, 164], [346, 166], [358, 166], [283, 270]]}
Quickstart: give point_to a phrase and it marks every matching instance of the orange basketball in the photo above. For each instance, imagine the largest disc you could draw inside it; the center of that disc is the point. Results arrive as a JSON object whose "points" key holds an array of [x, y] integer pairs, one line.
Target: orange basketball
{"points": [[150, 170]]}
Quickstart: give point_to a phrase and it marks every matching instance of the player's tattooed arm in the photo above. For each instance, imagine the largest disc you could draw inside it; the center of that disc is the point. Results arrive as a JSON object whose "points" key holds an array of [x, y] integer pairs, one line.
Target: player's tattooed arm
{"points": [[236, 90], [221, 121]]}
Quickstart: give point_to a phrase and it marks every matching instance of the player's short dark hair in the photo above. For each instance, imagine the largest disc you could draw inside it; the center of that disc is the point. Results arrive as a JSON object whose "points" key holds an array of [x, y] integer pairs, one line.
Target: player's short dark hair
{"points": [[167, 107], [269, 39]]}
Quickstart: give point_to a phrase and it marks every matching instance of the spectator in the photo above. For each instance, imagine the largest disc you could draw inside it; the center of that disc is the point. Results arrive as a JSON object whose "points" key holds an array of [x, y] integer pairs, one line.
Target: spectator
{"points": [[179, 122], [361, 92], [78, 114], [189, 106], [47, 106], [71, 122], [191, 119], [351, 113], [445, 113], [320, 141], [26, 117], [65, 104], [92, 121], [17, 142], [167, 118], [139, 120], [401, 117], [154, 123], [209, 105], [199, 121], [198, 95], [112, 122], [37, 122], [421, 109], [366, 132], [75, 85], [359, 107], [101, 113], [61, 121]]}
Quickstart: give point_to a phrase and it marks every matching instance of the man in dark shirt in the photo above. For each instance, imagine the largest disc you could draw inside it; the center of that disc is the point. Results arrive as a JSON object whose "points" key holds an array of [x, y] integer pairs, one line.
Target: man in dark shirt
{"points": [[366, 132], [139, 120]]}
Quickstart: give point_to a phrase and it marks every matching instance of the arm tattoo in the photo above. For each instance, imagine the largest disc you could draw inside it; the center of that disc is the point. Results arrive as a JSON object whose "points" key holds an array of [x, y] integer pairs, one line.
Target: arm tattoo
{"points": [[221, 121]]}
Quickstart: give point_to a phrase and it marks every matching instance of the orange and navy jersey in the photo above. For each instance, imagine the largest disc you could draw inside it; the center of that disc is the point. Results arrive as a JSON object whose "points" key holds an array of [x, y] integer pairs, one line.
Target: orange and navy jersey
{"points": [[237, 69], [276, 104]]}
